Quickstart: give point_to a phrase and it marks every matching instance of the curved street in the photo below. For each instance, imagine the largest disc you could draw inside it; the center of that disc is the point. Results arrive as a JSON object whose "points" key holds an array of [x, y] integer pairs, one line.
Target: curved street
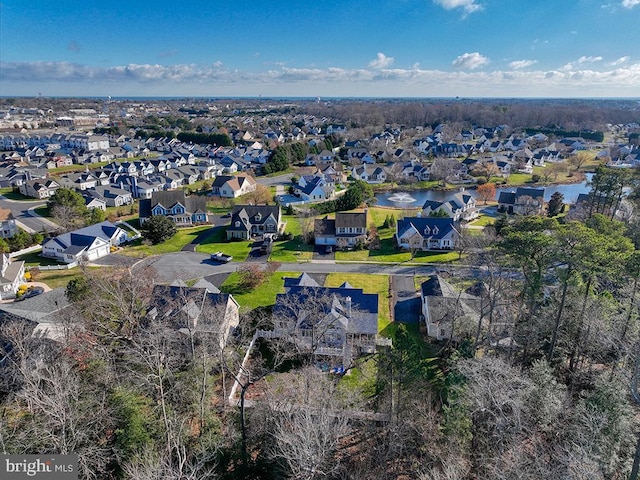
{"points": [[26, 218]]}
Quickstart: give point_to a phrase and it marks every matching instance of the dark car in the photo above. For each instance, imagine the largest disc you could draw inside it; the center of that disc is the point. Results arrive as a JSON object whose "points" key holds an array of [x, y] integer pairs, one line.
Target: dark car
{"points": [[32, 292]]}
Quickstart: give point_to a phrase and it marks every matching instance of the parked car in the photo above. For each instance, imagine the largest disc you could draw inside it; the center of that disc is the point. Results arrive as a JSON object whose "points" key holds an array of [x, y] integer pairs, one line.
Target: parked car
{"points": [[221, 257], [31, 292]]}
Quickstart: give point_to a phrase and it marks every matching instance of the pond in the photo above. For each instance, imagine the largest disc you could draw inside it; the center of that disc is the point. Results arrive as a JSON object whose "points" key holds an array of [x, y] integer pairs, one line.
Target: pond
{"points": [[418, 197]]}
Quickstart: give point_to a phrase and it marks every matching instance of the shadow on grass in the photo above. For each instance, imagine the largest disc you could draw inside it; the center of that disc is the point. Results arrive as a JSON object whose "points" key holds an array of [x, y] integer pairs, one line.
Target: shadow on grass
{"points": [[34, 259]]}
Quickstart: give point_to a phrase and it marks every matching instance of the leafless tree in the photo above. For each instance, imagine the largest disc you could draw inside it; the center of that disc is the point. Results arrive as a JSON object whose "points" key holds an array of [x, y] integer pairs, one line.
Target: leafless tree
{"points": [[310, 422]]}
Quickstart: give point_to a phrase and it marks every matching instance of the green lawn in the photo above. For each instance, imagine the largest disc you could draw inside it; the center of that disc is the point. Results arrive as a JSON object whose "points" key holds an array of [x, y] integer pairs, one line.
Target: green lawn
{"points": [[388, 253], [34, 259], [174, 244], [56, 278], [483, 221], [291, 251], [369, 284], [217, 242], [261, 296], [12, 194]]}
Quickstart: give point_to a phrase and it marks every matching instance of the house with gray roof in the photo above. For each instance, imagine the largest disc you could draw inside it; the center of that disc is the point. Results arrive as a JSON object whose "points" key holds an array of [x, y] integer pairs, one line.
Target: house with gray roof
{"points": [[448, 313], [11, 276], [183, 210], [250, 220], [334, 322], [197, 310], [345, 231], [427, 233], [522, 201]]}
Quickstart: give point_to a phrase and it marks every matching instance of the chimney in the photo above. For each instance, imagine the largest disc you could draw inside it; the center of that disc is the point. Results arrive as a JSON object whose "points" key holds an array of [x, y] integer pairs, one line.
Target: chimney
{"points": [[347, 306]]}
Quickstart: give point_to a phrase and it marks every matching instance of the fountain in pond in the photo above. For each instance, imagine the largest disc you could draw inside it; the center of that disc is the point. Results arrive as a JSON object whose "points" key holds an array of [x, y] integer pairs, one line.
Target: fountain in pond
{"points": [[401, 198]]}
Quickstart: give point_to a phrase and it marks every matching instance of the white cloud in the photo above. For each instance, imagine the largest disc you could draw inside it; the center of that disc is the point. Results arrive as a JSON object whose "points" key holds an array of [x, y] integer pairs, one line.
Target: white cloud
{"points": [[381, 61], [630, 3], [518, 64], [619, 61], [63, 78], [582, 60], [470, 61], [469, 6]]}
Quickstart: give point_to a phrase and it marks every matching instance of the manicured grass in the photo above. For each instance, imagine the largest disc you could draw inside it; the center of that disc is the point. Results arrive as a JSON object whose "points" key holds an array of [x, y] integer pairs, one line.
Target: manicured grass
{"points": [[295, 250], [34, 259], [11, 194], [261, 296], [43, 211], [388, 253], [483, 221], [217, 242], [56, 278], [369, 284], [174, 244]]}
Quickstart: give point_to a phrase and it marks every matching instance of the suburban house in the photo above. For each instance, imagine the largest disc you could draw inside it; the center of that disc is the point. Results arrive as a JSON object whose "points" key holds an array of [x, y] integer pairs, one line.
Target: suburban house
{"points": [[523, 201], [88, 243], [200, 311], [11, 276], [347, 230], [369, 173], [183, 210], [447, 312], [8, 227], [42, 315], [312, 188], [39, 189], [427, 233], [232, 186], [112, 196], [339, 322], [78, 180], [249, 220], [460, 206]]}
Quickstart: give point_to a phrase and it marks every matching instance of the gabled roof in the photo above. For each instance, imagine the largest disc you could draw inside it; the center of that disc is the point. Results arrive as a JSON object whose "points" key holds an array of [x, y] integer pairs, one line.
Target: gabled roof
{"points": [[351, 219], [324, 226], [304, 280], [436, 227], [168, 198], [356, 311]]}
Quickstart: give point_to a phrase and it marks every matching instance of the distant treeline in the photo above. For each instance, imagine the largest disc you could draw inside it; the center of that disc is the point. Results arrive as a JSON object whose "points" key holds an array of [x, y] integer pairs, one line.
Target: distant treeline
{"points": [[586, 134], [218, 139]]}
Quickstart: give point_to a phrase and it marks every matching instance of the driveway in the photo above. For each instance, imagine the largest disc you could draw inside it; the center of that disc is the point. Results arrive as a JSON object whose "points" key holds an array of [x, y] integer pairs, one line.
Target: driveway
{"points": [[406, 300], [320, 253]]}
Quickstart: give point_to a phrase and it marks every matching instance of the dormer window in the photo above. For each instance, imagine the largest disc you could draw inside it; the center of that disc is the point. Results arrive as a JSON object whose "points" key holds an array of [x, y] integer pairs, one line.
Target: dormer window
{"points": [[435, 230], [258, 217], [427, 230]]}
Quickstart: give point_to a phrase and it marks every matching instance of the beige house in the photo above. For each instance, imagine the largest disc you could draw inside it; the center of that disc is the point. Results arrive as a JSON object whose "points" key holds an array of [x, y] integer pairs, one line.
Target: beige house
{"points": [[11, 276]]}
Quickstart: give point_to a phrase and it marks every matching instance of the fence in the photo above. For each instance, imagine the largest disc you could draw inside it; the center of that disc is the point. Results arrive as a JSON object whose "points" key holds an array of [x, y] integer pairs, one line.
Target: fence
{"points": [[54, 267]]}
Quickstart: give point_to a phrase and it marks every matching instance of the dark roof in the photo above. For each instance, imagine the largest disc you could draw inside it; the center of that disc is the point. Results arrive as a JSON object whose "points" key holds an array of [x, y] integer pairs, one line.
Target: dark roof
{"points": [[324, 226], [351, 219], [363, 318], [179, 304], [304, 280], [507, 197], [443, 225], [169, 198]]}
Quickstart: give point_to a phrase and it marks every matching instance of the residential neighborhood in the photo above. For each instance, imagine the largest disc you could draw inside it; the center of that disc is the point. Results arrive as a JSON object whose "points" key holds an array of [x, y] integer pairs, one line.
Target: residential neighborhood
{"points": [[218, 255]]}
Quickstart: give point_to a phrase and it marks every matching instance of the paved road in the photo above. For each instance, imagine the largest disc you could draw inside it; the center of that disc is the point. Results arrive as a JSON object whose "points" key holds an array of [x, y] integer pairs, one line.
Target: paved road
{"points": [[190, 265], [26, 219]]}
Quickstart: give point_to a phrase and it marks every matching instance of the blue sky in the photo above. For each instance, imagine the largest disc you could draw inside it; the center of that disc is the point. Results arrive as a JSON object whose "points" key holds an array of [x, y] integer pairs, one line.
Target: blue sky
{"points": [[370, 48]]}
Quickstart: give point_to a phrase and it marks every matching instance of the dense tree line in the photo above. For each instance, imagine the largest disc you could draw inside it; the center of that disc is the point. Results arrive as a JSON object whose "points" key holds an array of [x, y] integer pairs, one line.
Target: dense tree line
{"points": [[217, 139], [285, 155]]}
